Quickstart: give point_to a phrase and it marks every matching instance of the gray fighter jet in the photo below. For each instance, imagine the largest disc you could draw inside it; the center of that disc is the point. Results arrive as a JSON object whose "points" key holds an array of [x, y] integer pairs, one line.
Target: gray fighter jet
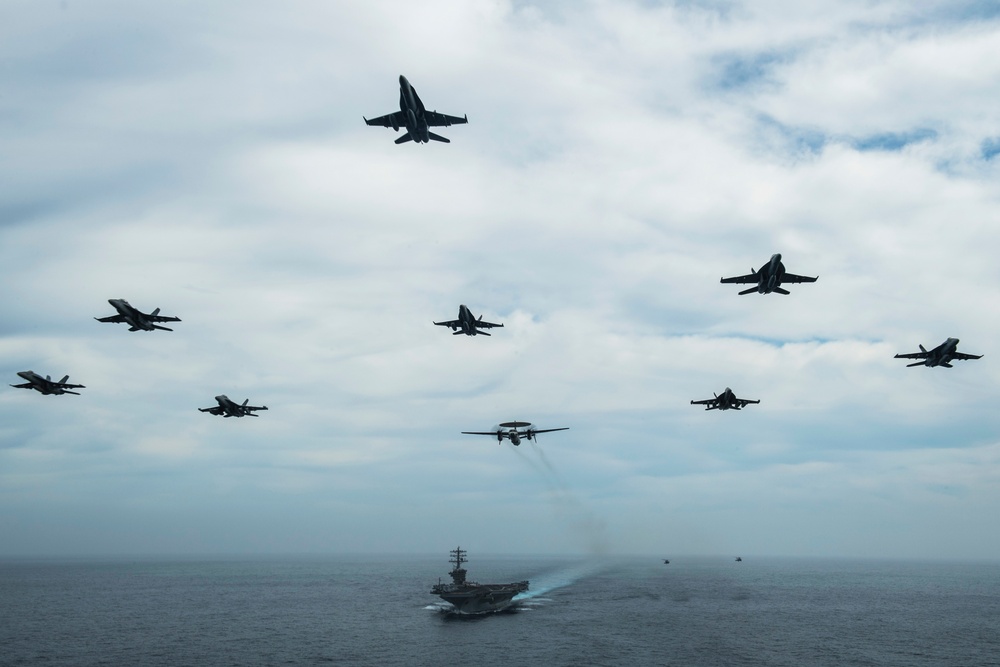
{"points": [[228, 408], [769, 278], [468, 323], [47, 385], [515, 431], [942, 355], [726, 401], [134, 318], [415, 118]]}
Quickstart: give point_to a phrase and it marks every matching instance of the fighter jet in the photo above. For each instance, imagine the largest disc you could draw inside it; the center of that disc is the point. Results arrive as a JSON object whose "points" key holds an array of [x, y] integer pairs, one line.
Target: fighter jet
{"points": [[727, 401], [942, 355], [468, 323], [415, 118], [227, 408], [515, 431], [47, 385], [134, 318], [769, 278]]}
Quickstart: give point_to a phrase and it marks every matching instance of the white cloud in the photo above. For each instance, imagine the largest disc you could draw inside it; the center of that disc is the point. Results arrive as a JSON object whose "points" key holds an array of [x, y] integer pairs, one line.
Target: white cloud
{"points": [[219, 168]]}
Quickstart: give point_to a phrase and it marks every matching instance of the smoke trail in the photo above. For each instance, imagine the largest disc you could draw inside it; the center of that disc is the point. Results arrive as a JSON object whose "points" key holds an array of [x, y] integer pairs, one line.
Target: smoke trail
{"points": [[547, 463], [524, 457], [569, 507]]}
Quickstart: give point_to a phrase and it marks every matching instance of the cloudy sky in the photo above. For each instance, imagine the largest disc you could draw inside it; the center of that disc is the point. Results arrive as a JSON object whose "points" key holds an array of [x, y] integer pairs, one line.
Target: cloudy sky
{"points": [[210, 159]]}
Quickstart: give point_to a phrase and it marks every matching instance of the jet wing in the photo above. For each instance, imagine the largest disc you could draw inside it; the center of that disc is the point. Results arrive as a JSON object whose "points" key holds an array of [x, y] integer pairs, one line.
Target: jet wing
{"points": [[707, 401], [912, 355], [118, 319], [161, 318], [66, 385], [792, 278], [435, 119], [217, 410], [746, 401], [486, 325], [26, 385], [450, 323], [395, 120], [747, 279], [963, 356], [248, 408]]}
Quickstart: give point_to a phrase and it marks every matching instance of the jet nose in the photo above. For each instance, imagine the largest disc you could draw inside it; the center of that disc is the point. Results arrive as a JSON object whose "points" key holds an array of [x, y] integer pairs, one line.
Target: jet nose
{"points": [[776, 256], [402, 80]]}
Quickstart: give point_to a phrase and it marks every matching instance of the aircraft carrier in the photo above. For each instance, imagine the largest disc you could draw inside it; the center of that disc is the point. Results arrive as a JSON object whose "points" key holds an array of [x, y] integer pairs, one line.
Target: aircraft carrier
{"points": [[470, 597]]}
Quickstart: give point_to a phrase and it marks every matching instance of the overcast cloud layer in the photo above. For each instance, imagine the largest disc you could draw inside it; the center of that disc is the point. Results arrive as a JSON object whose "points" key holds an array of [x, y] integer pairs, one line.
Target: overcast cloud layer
{"points": [[211, 160]]}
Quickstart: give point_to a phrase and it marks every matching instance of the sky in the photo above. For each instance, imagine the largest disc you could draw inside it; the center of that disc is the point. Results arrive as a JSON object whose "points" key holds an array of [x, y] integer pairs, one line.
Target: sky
{"points": [[620, 157]]}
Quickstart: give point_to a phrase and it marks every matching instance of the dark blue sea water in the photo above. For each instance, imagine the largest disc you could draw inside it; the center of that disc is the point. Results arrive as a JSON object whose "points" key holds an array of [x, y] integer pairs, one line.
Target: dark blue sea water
{"points": [[377, 611]]}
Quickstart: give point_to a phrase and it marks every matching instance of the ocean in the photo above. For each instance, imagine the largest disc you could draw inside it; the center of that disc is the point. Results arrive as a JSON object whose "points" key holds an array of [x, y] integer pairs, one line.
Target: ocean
{"points": [[377, 611]]}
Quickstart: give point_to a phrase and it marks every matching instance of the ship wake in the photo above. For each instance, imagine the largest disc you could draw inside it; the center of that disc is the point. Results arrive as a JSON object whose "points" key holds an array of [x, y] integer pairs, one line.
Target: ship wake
{"points": [[553, 581]]}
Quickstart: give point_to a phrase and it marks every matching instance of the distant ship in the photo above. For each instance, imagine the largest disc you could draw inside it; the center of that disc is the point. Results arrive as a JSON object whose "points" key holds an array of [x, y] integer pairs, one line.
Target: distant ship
{"points": [[666, 561], [739, 560], [469, 597]]}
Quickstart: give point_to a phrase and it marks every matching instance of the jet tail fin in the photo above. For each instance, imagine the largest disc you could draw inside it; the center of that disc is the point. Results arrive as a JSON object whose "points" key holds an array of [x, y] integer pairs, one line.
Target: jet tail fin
{"points": [[747, 291], [403, 139], [922, 349], [780, 290], [438, 137], [64, 380]]}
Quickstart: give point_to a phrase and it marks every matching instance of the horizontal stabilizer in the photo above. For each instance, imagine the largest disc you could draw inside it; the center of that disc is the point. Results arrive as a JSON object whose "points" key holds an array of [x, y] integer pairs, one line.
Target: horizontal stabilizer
{"points": [[748, 291], [157, 326], [458, 333], [480, 332], [919, 363], [945, 364], [403, 139], [438, 137], [780, 290]]}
